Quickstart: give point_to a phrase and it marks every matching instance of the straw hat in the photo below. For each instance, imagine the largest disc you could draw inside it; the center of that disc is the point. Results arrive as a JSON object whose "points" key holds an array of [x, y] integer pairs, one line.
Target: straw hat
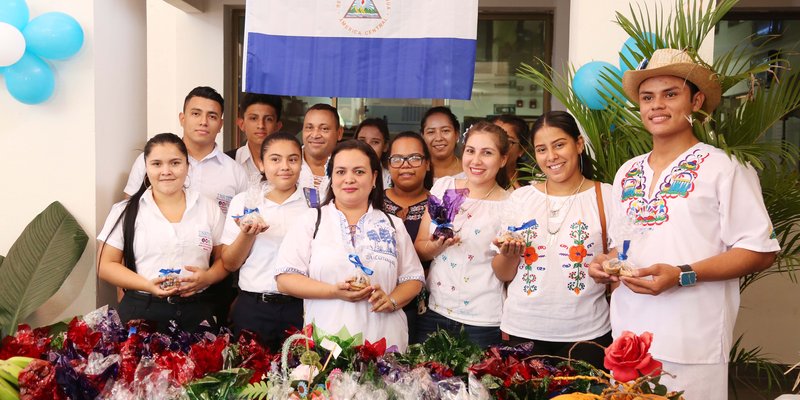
{"points": [[676, 63]]}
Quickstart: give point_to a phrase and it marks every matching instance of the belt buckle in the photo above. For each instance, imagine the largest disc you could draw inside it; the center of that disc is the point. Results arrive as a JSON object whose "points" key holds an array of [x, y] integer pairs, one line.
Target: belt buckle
{"points": [[170, 300], [265, 297]]}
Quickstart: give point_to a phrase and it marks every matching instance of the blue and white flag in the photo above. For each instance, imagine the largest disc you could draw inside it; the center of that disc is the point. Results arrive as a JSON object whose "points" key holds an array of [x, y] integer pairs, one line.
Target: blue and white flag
{"points": [[361, 48]]}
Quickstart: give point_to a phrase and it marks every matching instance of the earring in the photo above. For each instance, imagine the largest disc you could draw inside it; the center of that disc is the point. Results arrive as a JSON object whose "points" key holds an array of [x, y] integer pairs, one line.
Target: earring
{"points": [[580, 157]]}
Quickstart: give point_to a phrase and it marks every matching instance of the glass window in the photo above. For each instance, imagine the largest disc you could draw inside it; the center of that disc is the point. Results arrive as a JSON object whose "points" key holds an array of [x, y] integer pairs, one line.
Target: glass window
{"points": [[770, 36]]}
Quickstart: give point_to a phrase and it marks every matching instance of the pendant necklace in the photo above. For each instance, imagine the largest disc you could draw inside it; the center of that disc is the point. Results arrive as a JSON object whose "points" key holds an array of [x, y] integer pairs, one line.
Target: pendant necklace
{"points": [[554, 213]]}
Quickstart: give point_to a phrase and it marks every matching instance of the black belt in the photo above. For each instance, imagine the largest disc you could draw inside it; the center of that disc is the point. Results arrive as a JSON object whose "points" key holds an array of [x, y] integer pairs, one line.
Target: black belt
{"points": [[275, 298], [171, 299]]}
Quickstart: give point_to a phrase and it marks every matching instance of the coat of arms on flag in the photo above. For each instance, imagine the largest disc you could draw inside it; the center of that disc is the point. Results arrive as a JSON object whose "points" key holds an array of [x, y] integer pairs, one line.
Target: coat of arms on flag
{"points": [[363, 9]]}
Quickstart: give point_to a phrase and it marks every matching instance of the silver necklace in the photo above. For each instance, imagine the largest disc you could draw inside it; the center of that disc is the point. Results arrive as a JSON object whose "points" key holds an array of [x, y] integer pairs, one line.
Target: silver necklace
{"points": [[554, 213], [465, 210]]}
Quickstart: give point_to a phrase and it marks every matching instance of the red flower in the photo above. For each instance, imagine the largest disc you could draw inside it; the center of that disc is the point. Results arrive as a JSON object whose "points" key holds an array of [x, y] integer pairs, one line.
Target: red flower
{"points": [[25, 343], [255, 356], [207, 355], [577, 253], [530, 255], [82, 336], [181, 366], [371, 351], [130, 353], [628, 357], [38, 382]]}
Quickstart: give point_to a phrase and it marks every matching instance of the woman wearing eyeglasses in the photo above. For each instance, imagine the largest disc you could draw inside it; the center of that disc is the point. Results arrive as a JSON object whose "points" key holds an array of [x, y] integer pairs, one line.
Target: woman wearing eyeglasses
{"points": [[412, 174]]}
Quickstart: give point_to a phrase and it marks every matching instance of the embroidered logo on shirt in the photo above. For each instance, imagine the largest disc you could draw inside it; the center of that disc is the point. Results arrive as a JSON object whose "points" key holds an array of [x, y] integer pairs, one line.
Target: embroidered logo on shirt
{"points": [[223, 201], [204, 240], [382, 239], [679, 182]]}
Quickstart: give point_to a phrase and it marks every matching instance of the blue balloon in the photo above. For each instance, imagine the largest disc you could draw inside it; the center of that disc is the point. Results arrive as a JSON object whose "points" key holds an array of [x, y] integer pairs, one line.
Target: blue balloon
{"points": [[53, 35], [588, 84], [30, 80], [14, 12], [630, 51]]}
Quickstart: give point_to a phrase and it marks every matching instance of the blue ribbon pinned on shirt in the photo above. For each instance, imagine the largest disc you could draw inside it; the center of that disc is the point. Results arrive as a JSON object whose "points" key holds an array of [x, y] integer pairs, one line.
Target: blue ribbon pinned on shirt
{"points": [[245, 212], [529, 224], [358, 264], [626, 244], [167, 271]]}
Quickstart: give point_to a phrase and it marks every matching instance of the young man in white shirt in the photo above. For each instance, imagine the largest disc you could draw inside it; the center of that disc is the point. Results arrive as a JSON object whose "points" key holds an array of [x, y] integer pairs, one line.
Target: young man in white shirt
{"points": [[321, 132], [696, 222], [259, 117], [211, 173]]}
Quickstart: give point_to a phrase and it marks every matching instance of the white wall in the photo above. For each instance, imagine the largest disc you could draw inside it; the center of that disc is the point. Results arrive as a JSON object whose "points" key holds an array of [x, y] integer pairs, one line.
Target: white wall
{"points": [[50, 150]]}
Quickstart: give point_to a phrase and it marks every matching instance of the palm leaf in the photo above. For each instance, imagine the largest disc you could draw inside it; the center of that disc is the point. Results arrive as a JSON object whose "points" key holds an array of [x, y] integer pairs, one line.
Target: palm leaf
{"points": [[753, 359], [258, 390], [38, 263]]}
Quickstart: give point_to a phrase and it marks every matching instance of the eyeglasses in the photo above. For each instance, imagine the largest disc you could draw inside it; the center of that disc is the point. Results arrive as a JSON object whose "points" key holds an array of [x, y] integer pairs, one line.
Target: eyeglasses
{"points": [[414, 160]]}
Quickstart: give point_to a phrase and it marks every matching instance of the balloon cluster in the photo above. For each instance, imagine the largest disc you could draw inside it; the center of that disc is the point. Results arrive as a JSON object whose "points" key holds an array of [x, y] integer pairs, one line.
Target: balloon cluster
{"points": [[593, 89], [25, 44]]}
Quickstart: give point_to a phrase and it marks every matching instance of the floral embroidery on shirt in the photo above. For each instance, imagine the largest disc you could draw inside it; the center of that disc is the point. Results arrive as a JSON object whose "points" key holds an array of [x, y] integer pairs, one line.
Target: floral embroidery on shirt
{"points": [[576, 254], [679, 182], [529, 257]]}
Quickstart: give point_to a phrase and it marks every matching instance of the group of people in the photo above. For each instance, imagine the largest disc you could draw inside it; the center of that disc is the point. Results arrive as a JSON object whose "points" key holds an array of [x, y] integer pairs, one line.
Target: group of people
{"points": [[345, 239]]}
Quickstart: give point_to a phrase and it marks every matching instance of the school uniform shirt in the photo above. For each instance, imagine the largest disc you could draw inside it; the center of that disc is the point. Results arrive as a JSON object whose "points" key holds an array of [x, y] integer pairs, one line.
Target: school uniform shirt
{"points": [[257, 274], [159, 243], [461, 281], [552, 297], [306, 180], [216, 176], [703, 204], [386, 250], [245, 159]]}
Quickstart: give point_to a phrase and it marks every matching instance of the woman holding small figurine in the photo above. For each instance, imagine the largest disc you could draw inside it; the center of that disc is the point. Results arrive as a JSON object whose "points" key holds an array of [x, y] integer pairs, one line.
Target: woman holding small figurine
{"points": [[157, 245], [556, 227], [354, 264], [463, 289], [250, 246]]}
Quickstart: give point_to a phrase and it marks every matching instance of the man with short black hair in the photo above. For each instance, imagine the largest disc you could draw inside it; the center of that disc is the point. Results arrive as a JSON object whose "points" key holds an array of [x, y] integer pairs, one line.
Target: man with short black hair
{"points": [[211, 173], [321, 132], [259, 117]]}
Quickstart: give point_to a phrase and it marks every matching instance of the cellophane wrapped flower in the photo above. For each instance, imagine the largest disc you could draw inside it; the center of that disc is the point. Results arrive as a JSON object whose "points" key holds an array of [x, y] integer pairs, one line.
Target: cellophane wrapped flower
{"points": [[207, 354], [255, 357], [38, 382], [26, 342], [444, 211]]}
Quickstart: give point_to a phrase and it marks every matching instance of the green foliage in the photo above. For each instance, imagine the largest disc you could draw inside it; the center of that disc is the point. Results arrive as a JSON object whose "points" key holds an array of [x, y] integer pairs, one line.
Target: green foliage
{"points": [[744, 361], [454, 351], [38, 263], [258, 390]]}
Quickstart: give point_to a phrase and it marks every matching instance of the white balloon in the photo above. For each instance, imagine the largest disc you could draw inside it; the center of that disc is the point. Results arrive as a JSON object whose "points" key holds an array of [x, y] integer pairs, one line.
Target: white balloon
{"points": [[12, 44]]}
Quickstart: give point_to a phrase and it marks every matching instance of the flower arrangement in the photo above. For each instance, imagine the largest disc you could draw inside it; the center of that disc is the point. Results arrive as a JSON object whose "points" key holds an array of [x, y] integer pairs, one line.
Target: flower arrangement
{"points": [[98, 357]]}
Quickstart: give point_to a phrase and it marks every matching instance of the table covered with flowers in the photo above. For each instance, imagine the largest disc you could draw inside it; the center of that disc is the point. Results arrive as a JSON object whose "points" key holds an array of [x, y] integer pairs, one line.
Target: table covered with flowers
{"points": [[97, 357]]}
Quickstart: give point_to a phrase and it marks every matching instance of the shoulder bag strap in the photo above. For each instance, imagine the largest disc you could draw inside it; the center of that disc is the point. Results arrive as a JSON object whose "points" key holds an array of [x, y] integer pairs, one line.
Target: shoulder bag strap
{"points": [[602, 213]]}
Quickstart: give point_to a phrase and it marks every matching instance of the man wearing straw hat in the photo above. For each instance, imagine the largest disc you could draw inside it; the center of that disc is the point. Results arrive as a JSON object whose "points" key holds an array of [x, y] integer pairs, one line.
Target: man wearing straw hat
{"points": [[695, 222]]}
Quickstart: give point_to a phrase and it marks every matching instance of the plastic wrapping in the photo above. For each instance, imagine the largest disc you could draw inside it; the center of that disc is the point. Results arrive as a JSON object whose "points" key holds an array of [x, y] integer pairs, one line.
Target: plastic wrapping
{"points": [[255, 193], [444, 211]]}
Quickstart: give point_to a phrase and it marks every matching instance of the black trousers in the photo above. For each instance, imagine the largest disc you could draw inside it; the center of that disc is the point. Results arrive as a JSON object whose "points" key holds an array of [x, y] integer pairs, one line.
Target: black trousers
{"points": [[269, 320], [584, 351], [187, 313]]}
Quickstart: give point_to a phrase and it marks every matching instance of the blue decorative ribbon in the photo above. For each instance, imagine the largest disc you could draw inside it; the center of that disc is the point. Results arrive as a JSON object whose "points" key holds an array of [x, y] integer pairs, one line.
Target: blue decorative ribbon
{"points": [[358, 264], [167, 271], [443, 225], [246, 211], [529, 224], [626, 244]]}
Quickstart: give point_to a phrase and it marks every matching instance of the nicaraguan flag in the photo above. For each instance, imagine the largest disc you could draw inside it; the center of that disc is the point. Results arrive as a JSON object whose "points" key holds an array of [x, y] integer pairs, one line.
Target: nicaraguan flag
{"points": [[361, 48]]}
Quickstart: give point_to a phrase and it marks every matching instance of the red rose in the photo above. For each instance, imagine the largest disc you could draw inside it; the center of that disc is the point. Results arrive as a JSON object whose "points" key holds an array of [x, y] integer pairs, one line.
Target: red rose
{"points": [[629, 356]]}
